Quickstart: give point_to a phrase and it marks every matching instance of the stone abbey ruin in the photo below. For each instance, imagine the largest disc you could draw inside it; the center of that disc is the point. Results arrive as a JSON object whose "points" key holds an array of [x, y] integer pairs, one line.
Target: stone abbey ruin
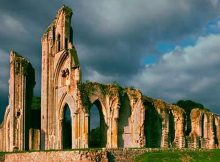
{"points": [[128, 119]]}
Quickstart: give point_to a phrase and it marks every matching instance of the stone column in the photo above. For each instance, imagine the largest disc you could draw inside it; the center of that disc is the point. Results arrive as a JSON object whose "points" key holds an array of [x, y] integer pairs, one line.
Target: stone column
{"points": [[211, 131], [178, 113], [75, 131], [217, 124], [60, 134], [86, 131], [196, 124], [165, 129], [114, 133], [109, 132]]}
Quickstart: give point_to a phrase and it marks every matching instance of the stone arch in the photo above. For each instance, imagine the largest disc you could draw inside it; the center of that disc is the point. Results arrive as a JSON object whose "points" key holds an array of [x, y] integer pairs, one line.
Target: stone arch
{"points": [[66, 99], [123, 122], [59, 65], [101, 131], [66, 128], [152, 126], [171, 133], [94, 99]]}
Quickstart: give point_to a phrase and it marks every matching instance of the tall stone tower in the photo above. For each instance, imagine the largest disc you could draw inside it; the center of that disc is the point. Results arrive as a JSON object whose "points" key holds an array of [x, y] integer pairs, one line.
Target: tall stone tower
{"points": [[21, 84], [60, 75]]}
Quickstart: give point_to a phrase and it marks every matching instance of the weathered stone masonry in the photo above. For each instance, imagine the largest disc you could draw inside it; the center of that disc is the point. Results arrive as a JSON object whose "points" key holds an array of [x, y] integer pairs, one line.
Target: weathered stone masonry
{"points": [[128, 118], [17, 119]]}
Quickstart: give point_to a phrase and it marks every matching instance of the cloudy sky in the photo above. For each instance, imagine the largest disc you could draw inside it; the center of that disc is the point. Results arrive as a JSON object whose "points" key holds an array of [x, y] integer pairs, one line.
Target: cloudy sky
{"points": [[167, 48]]}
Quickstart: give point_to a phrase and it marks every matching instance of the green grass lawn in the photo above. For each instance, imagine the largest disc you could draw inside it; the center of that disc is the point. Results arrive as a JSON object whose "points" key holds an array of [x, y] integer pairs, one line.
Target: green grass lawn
{"points": [[180, 156]]}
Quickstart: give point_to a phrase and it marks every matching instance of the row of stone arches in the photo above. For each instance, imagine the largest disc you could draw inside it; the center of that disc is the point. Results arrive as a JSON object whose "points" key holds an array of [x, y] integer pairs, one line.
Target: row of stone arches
{"points": [[165, 126], [97, 133], [97, 126], [155, 126]]}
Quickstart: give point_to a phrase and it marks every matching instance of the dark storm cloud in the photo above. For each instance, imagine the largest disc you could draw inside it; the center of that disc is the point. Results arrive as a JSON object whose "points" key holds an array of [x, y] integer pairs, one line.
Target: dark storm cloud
{"points": [[22, 25], [111, 37], [111, 32]]}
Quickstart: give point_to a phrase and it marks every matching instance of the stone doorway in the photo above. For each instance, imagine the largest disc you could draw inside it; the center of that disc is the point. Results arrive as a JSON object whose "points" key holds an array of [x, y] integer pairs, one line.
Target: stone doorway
{"points": [[97, 126], [67, 128]]}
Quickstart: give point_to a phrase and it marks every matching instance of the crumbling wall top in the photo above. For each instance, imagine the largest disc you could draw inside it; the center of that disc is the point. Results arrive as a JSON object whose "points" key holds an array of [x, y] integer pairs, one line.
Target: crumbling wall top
{"points": [[67, 12], [14, 56]]}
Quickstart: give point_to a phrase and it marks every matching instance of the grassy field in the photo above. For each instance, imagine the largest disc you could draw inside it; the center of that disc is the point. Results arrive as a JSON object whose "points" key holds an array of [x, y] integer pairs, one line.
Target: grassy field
{"points": [[180, 156]]}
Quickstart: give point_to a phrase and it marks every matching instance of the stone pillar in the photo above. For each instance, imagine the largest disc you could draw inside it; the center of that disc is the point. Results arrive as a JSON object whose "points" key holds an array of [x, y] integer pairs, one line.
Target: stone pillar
{"points": [[60, 133], [162, 111], [21, 84], [109, 132], [196, 132], [34, 139], [114, 133], [211, 133], [136, 119], [217, 124], [178, 113], [165, 129], [86, 131], [75, 131]]}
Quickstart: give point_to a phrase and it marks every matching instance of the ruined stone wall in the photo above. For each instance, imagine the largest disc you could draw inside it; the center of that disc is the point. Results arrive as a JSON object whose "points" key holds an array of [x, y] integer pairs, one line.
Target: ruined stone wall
{"points": [[164, 124], [128, 119], [64, 156], [217, 130], [123, 113], [205, 129], [61, 86], [163, 111], [136, 122], [16, 125], [177, 126], [106, 97], [60, 75]]}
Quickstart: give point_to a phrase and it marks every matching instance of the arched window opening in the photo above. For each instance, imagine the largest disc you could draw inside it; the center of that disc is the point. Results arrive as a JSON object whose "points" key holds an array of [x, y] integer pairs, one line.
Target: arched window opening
{"points": [[97, 127], [66, 43], [215, 132], [202, 126], [53, 34], [152, 126], [171, 129], [124, 133], [67, 128], [58, 43]]}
